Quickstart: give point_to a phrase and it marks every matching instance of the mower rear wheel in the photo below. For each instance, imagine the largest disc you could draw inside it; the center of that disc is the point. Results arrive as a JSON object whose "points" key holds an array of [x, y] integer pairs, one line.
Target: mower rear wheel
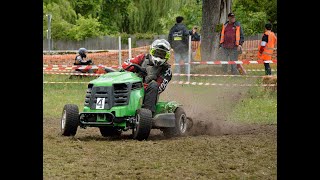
{"points": [[181, 122], [107, 131], [69, 120], [143, 124]]}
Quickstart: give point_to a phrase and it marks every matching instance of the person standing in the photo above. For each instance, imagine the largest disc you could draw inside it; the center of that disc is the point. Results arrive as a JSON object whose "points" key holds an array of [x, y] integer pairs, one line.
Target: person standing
{"points": [[231, 41], [195, 41], [178, 39], [266, 47]]}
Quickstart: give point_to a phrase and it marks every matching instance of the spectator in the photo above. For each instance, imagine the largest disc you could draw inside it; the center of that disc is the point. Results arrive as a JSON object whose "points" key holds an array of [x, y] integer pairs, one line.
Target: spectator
{"points": [[194, 34], [266, 47], [178, 39], [231, 41], [195, 41]]}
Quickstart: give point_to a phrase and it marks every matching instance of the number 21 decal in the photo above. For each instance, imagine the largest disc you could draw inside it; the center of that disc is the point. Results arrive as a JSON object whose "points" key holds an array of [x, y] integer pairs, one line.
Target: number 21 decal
{"points": [[100, 103]]}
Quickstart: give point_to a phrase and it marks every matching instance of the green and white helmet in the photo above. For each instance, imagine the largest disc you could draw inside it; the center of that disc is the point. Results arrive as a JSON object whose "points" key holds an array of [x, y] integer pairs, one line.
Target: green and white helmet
{"points": [[160, 51]]}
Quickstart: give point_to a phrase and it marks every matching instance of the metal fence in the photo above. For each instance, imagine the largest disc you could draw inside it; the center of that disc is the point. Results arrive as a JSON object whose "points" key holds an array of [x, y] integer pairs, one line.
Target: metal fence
{"points": [[252, 42], [111, 43], [99, 43]]}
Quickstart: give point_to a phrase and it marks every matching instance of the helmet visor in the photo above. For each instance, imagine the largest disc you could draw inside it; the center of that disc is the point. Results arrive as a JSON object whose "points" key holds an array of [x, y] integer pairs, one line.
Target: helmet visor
{"points": [[160, 53]]}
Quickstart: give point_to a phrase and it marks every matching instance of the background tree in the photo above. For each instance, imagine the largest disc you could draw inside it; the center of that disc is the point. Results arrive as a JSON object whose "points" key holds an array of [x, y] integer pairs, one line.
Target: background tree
{"points": [[254, 14], [214, 13]]}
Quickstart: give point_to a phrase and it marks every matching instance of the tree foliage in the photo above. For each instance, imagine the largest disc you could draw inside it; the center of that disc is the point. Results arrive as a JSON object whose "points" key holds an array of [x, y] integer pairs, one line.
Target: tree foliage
{"points": [[80, 19], [254, 14]]}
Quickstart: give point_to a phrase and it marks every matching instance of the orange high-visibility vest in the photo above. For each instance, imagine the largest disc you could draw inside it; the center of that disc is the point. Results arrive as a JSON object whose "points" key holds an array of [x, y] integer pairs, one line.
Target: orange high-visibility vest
{"points": [[268, 50], [237, 35]]}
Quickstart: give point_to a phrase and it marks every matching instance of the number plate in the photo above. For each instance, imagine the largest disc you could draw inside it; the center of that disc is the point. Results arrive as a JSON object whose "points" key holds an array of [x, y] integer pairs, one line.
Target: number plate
{"points": [[177, 38], [100, 103]]}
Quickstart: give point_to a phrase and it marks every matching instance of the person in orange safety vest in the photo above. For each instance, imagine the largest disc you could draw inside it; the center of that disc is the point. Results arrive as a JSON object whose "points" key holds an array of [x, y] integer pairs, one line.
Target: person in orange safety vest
{"points": [[231, 41], [266, 47]]}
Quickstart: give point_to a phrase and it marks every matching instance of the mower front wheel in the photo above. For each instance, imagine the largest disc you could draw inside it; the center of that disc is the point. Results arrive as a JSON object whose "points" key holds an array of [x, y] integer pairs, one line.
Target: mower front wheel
{"points": [[69, 120], [143, 124]]}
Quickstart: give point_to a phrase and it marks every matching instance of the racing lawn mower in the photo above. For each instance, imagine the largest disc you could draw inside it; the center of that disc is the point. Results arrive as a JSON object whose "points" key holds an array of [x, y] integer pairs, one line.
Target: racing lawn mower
{"points": [[114, 103]]}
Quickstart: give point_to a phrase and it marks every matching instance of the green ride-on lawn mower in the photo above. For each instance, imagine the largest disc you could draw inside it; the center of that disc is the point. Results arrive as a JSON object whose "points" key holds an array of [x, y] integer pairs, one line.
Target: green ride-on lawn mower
{"points": [[114, 103]]}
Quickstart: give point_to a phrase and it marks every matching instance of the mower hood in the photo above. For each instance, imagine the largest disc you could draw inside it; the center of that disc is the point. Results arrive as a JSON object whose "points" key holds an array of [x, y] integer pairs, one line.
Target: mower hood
{"points": [[116, 77]]}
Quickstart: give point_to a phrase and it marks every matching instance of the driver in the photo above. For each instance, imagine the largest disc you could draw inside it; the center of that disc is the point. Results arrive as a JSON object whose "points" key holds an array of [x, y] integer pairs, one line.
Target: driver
{"points": [[81, 57], [157, 71]]}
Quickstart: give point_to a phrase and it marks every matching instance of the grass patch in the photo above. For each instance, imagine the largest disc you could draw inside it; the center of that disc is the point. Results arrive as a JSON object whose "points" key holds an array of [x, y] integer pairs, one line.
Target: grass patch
{"points": [[258, 106], [55, 96]]}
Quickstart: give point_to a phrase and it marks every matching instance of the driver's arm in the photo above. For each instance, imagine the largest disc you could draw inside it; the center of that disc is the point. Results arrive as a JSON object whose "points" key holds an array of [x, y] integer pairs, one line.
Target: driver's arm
{"points": [[163, 81], [137, 60], [80, 60]]}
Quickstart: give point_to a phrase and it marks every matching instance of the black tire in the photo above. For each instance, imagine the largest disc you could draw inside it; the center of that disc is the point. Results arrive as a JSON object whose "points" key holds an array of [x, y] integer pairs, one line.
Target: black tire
{"points": [[144, 124], [107, 131], [181, 122], [69, 120]]}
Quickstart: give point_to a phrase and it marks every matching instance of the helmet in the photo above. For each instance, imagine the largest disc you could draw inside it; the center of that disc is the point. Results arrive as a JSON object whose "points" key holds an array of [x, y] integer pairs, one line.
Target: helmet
{"points": [[82, 52], [160, 51]]}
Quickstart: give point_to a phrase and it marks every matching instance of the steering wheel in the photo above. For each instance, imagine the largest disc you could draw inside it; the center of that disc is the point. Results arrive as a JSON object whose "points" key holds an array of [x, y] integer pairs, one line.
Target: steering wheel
{"points": [[138, 68]]}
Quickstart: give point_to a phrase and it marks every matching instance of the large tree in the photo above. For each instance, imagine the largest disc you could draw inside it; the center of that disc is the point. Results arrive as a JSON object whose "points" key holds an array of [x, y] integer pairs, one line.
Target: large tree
{"points": [[214, 13]]}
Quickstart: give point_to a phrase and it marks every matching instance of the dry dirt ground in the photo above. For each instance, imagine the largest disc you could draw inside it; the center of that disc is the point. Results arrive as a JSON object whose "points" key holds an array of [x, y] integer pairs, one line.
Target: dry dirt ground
{"points": [[217, 148]]}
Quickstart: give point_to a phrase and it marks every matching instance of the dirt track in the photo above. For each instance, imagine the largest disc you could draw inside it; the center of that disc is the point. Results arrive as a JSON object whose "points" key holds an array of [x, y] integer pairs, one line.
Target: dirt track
{"points": [[217, 148]]}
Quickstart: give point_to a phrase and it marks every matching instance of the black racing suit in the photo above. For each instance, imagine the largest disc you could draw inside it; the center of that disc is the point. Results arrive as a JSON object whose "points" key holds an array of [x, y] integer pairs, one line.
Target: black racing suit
{"points": [[155, 81]]}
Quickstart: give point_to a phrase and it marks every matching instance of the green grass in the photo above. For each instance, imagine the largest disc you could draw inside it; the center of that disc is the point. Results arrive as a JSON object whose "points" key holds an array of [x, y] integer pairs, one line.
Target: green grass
{"points": [[258, 106]]}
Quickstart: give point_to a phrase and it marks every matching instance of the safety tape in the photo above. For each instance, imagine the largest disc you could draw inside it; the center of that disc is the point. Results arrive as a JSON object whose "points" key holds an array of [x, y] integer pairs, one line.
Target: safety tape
{"points": [[180, 83], [66, 70], [57, 70], [61, 67], [77, 74], [72, 67], [175, 74], [252, 49], [228, 62], [46, 82], [218, 84], [217, 75], [260, 70]]}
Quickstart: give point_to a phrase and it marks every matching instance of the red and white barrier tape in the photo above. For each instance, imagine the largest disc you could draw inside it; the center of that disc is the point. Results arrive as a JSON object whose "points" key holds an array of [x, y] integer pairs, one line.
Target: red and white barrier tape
{"points": [[81, 67], [260, 70], [228, 62], [175, 74], [218, 84], [69, 70], [180, 83], [77, 74], [216, 75], [57, 70], [62, 67], [46, 82], [73, 66]]}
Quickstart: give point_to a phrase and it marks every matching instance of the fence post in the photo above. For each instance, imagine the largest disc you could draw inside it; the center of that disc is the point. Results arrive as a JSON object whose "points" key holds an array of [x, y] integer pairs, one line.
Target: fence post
{"points": [[49, 31], [129, 43], [119, 50], [189, 58]]}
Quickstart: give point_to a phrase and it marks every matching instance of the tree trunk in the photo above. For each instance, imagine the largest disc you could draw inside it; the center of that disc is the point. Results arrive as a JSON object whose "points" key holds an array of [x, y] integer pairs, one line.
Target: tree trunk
{"points": [[214, 12]]}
